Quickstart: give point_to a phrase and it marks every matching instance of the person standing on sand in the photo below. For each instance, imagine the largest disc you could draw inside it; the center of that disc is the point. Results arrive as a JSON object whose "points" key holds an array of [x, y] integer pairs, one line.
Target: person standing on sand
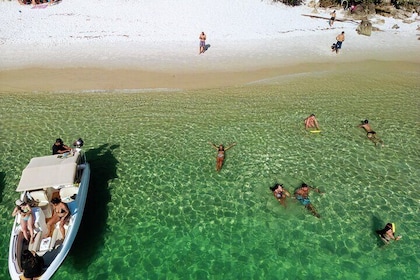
{"points": [[332, 19], [340, 40], [202, 43]]}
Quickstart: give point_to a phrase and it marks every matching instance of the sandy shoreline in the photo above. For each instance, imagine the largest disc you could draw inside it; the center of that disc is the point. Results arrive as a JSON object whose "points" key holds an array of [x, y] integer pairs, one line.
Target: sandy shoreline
{"points": [[120, 79], [91, 46]]}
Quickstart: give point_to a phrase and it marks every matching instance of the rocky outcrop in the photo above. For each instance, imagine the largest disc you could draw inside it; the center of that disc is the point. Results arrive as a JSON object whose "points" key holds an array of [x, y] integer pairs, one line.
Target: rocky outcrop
{"points": [[364, 28]]}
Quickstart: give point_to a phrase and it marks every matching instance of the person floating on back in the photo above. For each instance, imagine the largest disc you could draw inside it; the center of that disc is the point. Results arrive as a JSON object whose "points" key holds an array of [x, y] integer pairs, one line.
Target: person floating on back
{"points": [[371, 135], [280, 193], [387, 233], [302, 194], [220, 154]]}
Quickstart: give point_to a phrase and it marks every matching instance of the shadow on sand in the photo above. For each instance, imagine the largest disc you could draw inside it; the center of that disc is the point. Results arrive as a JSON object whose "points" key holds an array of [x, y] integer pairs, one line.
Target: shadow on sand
{"points": [[206, 47], [89, 239]]}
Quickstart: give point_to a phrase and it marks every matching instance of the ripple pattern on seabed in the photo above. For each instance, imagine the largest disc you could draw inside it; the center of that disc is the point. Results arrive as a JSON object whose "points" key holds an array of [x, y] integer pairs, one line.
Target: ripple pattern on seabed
{"points": [[167, 213]]}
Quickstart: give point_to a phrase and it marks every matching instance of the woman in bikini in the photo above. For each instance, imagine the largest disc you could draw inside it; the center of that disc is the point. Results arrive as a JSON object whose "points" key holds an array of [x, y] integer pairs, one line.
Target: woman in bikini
{"points": [[26, 219], [61, 214], [280, 193], [220, 154]]}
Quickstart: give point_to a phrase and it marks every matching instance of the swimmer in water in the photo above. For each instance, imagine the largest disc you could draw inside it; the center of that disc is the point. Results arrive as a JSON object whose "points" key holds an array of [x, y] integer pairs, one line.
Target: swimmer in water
{"points": [[280, 193], [302, 194], [220, 154]]}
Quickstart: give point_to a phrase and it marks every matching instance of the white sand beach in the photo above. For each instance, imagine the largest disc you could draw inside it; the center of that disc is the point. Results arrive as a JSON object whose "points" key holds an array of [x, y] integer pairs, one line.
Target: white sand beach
{"points": [[123, 44]]}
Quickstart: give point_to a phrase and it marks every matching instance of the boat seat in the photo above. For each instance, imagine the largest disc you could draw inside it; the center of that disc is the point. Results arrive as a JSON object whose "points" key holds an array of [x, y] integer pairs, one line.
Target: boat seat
{"points": [[40, 197], [43, 201], [68, 194]]}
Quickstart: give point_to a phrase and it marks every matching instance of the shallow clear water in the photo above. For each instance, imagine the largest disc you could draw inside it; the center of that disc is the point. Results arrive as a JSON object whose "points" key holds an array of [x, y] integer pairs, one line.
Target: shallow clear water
{"points": [[158, 210]]}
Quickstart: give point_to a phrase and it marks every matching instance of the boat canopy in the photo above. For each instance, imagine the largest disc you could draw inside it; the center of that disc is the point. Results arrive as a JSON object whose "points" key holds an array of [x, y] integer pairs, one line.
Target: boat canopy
{"points": [[55, 171]]}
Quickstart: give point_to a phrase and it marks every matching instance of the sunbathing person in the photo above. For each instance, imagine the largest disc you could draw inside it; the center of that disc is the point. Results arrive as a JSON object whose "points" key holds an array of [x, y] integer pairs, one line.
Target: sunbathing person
{"points": [[61, 213], [26, 219]]}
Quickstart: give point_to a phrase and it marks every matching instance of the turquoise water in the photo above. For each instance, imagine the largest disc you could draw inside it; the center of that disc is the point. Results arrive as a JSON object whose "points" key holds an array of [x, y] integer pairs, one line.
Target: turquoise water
{"points": [[157, 209]]}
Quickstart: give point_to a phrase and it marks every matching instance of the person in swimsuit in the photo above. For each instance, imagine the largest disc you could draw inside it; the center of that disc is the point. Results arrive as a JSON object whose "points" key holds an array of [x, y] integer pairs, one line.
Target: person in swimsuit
{"points": [[302, 194], [371, 135], [340, 39], [280, 193], [202, 43], [386, 234], [220, 154], [61, 214], [26, 219], [311, 122], [332, 19]]}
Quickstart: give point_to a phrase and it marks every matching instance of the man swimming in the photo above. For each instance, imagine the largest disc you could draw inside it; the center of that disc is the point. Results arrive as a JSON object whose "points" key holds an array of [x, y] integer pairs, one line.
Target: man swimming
{"points": [[371, 135], [302, 194]]}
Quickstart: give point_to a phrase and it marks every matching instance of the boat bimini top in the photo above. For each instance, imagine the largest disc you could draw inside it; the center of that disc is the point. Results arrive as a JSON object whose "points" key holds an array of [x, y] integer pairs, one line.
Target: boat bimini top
{"points": [[56, 171]]}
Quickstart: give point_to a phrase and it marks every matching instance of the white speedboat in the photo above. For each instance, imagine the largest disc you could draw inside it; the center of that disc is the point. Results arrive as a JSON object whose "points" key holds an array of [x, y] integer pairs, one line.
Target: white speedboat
{"points": [[65, 176]]}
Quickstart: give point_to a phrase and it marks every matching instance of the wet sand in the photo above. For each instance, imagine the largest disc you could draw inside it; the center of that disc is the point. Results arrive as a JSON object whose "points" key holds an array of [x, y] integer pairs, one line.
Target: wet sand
{"points": [[100, 79]]}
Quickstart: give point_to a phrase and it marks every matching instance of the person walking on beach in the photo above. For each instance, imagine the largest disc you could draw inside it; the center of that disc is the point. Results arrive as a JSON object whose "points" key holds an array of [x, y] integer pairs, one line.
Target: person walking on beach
{"points": [[311, 122], [302, 194], [340, 39], [371, 135], [332, 19], [220, 154], [202, 43]]}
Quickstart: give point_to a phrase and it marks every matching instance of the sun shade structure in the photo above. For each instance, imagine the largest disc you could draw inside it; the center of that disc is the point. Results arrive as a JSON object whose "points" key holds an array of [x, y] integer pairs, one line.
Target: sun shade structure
{"points": [[55, 171]]}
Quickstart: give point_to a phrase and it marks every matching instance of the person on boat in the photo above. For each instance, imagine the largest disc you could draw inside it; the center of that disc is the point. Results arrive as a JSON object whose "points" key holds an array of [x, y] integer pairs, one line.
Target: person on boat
{"points": [[386, 234], [32, 264], [302, 194], [371, 135], [311, 122], [59, 147], [26, 219], [220, 154], [280, 193], [61, 213]]}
